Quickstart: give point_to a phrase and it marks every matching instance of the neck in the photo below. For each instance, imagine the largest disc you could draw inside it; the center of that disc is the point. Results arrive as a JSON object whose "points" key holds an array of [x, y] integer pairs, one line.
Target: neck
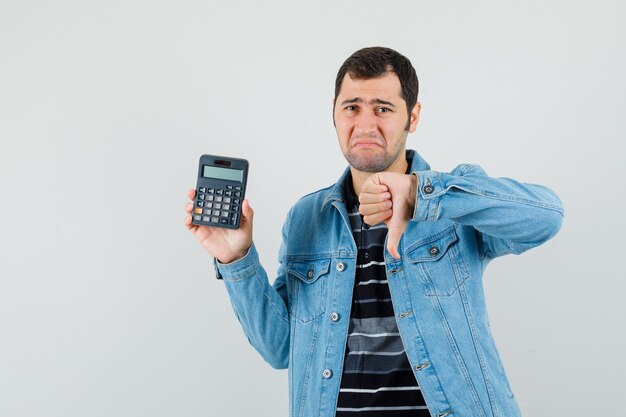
{"points": [[359, 177]]}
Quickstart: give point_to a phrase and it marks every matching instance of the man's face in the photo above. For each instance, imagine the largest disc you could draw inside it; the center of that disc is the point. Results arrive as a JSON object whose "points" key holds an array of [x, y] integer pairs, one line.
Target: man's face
{"points": [[370, 119]]}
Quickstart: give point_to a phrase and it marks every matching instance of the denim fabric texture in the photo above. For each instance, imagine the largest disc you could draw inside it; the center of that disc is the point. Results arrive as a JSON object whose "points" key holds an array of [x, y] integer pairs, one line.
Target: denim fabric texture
{"points": [[462, 220]]}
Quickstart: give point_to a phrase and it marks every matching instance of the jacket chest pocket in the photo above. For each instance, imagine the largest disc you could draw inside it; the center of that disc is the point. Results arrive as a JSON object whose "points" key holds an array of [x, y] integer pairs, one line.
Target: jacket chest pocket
{"points": [[307, 282], [439, 263]]}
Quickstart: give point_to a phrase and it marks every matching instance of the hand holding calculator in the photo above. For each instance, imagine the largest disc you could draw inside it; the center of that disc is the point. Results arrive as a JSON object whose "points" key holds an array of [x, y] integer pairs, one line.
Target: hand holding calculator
{"points": [[228, 236]]}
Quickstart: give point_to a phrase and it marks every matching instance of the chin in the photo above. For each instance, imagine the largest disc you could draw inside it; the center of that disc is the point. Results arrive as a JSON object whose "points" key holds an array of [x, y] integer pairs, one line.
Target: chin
{"points": [[370, 163]]}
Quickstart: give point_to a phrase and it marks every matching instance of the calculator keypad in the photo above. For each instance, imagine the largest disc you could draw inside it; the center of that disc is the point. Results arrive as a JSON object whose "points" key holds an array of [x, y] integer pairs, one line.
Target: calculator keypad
{"points": [[218, 206]]}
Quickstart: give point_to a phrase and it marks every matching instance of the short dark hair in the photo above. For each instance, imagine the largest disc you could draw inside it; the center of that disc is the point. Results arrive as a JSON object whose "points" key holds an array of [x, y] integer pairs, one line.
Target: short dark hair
{"points": [[374, 62]]}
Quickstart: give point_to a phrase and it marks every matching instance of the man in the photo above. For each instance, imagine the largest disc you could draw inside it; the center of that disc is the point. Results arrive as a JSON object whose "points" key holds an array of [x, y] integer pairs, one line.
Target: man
{"points": [[378, 306]]}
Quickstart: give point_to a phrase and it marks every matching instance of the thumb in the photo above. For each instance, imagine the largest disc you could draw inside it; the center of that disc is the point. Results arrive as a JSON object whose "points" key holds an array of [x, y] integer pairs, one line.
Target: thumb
{"points": [[394, 235], [396, 225], [246, 211]]}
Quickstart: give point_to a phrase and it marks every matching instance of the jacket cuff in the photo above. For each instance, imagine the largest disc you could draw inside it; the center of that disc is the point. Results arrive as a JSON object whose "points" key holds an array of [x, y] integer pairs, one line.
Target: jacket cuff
{"points": [[239, 269], [430, 188]]}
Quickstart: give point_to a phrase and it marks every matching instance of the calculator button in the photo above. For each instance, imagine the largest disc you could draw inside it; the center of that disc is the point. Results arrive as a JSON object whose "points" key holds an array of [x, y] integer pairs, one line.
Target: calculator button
{"points": [[205, 218], [200, 204], [218, 199], [230, 187], [236, 200], [225, 206], [237, 193], [207, 211], [198, 210], [215, 219], [216, 212], [201, 196], [236, 208], [224, 221], [228, 192], [202, 190], [197, 217], [224, 214], [217, 206], [208, 205], [219, 191], [211, 191], [233, 219], [238, 188], [209, 198], [226, 199]]}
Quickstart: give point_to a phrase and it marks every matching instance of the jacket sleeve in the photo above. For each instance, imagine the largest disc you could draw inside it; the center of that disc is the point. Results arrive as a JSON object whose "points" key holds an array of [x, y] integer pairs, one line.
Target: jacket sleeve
{"points": [[261, 308], [508, 216]]}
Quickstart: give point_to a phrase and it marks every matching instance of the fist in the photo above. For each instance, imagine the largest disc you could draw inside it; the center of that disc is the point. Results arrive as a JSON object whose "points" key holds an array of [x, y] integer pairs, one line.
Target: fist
{"points": [[389, 197]]}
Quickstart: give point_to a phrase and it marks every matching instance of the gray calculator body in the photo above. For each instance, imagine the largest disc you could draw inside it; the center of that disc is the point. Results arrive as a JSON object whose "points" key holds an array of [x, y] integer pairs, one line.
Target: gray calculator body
{"points": [[220, 191]]}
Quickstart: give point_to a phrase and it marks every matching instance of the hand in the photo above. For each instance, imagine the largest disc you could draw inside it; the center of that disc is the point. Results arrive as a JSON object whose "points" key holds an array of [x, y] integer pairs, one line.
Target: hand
{"points": [[226, 245], [389, 197]]}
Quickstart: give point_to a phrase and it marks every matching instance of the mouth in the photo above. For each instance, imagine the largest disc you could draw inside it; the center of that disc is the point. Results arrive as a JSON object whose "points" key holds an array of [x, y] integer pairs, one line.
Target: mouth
{"points": [[366, 144]]}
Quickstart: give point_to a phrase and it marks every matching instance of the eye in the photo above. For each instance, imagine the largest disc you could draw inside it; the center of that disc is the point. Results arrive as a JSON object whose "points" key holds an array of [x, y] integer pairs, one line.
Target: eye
{"points": [[383, 110], [350, 108]]}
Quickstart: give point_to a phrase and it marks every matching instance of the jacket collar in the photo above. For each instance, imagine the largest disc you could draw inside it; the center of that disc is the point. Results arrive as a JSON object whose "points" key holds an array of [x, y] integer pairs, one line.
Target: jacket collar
{"points": [[337, 192]]}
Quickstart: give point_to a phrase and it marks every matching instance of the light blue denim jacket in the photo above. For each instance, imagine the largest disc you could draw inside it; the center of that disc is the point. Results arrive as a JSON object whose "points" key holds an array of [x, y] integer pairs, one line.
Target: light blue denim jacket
{"points": [[462, 220]]}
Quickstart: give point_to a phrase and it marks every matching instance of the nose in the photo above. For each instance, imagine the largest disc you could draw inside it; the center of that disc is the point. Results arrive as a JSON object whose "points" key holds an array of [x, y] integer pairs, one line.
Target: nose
{"points": [[365, 123]]}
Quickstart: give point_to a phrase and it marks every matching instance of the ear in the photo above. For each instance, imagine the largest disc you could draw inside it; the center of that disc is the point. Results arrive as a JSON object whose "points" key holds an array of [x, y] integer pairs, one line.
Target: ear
{"points": [[415, 117]]}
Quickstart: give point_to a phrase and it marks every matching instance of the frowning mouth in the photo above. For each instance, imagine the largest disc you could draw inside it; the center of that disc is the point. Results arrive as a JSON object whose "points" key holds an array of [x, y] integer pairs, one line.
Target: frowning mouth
{"points": [[367, 146], [368, 143]]}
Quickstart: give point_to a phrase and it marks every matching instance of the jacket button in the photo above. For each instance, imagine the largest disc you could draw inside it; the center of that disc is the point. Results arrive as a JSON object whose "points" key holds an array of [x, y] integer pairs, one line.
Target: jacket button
{"points": [[433, 251], [334, 316], [341, 266], [428, 189], [421, 366], [327, 373], [309, 273]]}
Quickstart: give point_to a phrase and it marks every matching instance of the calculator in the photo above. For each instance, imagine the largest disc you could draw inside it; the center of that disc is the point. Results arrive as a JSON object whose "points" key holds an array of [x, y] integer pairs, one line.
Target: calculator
{"points": [[220, 191]]}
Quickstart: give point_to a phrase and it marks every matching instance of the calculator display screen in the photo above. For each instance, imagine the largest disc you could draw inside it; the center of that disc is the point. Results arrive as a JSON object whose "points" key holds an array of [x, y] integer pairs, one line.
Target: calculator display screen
{"points": [[223, 173]]}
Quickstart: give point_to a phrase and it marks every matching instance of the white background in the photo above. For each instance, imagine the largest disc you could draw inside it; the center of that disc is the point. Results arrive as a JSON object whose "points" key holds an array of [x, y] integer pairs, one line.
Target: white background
{"points": [[108, 307]]}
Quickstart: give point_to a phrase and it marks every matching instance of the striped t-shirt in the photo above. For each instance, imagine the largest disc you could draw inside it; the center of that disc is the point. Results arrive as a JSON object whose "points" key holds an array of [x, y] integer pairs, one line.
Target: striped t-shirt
{"points": [[377, 379]]}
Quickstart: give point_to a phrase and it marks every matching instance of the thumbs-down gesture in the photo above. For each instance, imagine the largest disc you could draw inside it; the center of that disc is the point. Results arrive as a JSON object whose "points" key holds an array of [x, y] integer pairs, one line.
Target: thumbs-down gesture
{"points": [[389, 197]]}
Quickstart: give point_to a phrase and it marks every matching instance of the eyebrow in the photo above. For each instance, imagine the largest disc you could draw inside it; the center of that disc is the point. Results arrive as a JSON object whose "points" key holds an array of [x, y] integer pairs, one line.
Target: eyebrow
{"points": [[373, 101]]}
